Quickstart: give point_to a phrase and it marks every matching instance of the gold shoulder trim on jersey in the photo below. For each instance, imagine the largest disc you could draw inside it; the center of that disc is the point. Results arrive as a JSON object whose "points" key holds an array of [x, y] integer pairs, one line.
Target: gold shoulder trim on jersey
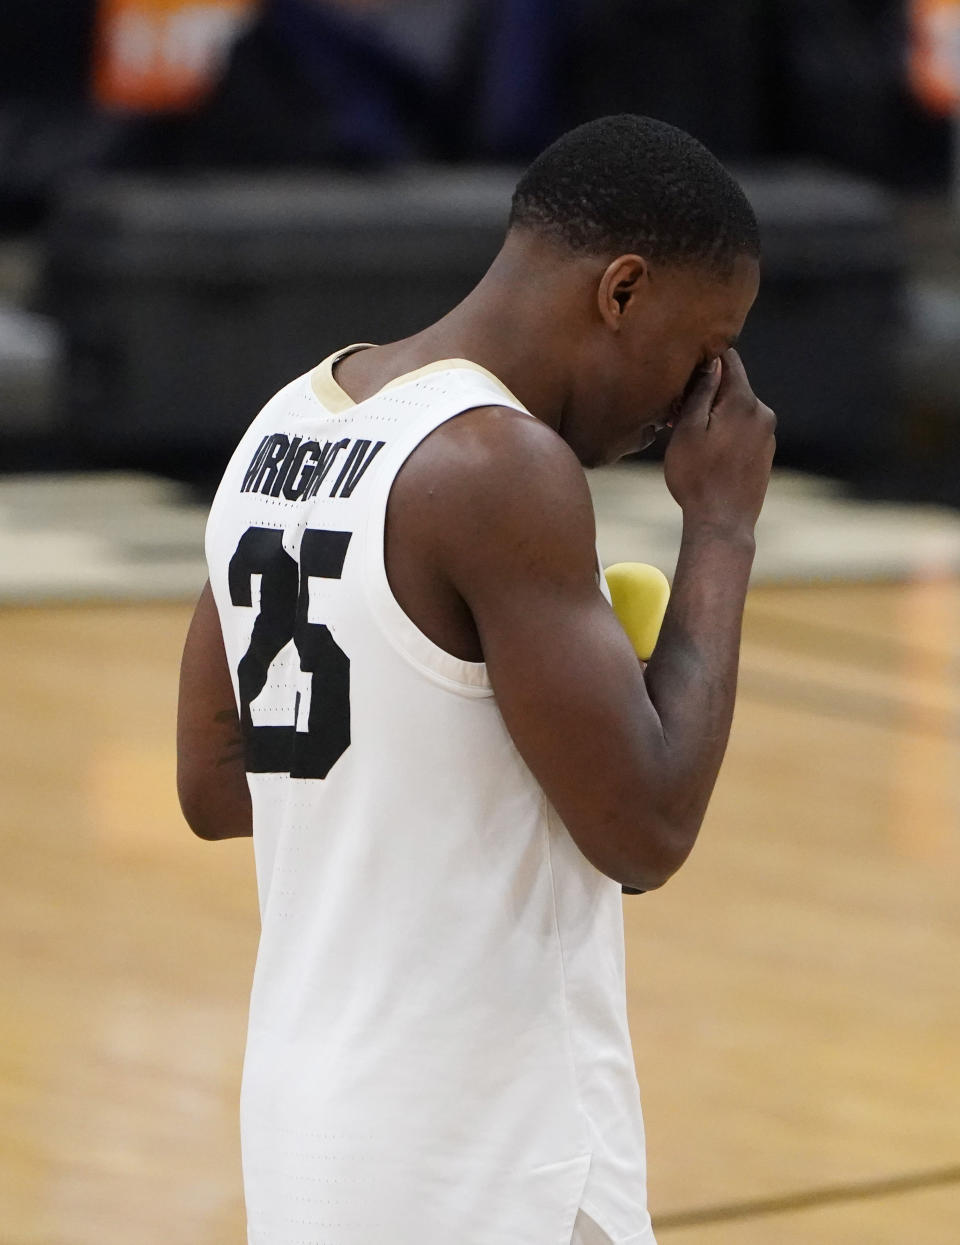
{"points": [[326, 388], [338, 400], [446, 365]]}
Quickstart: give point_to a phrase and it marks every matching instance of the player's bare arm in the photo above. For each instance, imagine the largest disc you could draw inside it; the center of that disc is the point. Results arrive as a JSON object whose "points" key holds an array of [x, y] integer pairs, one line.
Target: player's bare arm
{"points": [[717, 467], [629, 764], [211, 781]]}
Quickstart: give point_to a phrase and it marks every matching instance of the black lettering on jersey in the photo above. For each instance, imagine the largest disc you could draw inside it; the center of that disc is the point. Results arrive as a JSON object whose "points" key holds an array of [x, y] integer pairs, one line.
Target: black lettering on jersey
{"points": [[284, 468], [298, 468], [254, 464], [269, 464], [301, 469], [357, 463], [327, 456]]}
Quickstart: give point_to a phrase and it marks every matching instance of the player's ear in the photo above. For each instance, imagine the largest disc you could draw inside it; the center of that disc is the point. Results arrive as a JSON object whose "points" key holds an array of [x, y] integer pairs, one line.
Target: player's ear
{"points": [[623, 280]]}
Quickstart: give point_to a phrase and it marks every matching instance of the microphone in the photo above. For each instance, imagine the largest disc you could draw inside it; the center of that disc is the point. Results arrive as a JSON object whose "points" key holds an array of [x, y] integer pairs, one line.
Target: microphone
{"points": [[640, 594]]}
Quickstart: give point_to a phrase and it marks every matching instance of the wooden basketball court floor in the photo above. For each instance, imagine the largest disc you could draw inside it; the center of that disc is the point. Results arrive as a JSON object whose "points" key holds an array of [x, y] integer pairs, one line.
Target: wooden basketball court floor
{"points": [[794, 992]]}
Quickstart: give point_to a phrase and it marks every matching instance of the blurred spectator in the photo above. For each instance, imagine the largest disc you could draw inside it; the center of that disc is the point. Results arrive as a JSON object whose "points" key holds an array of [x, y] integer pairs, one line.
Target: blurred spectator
{"points": [[364, 82], [373, 81], [187, 84]]}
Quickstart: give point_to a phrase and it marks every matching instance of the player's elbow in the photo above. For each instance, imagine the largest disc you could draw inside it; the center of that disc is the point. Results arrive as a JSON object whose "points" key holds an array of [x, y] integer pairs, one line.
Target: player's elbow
{"points": [[666, 844], [210, 832], [647, 853], [650, 868], [208, 817], [213, 829], [196, 815]]}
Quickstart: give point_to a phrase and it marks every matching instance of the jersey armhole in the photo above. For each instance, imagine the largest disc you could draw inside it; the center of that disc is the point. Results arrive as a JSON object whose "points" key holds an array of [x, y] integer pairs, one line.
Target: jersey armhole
{"points": [[467, 678]]}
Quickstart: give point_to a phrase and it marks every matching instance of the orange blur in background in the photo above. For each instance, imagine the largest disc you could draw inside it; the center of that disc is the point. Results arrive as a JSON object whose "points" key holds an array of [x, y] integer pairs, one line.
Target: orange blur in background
{"points": [[163, 55]]}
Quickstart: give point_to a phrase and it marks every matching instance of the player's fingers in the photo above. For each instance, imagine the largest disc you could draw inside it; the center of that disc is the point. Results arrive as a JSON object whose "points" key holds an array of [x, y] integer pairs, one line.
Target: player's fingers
{"points": [[734, 378], [695, 412]]}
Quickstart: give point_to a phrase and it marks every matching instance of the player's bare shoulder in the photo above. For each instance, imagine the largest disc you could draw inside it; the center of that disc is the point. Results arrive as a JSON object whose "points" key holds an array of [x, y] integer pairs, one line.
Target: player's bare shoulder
{"points": [[490, 497], [490, 472]]}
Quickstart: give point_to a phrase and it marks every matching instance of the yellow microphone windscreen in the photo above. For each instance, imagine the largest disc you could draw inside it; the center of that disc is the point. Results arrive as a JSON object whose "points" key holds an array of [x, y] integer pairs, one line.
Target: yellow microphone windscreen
{"points": [[640, 594]]}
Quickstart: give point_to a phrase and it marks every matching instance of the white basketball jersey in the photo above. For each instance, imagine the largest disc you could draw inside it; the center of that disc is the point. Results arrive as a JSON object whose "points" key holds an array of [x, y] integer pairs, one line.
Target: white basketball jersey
{"points": [[438, 1049]]}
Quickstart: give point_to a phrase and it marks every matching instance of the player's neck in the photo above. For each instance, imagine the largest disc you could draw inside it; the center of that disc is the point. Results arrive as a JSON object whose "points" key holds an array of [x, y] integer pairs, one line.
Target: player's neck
{"points": [[517, 324], [512, 323]]}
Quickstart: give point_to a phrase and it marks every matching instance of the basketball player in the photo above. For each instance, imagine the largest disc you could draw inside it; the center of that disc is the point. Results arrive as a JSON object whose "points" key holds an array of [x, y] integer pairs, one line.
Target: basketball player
{"points": [[453, 757]]}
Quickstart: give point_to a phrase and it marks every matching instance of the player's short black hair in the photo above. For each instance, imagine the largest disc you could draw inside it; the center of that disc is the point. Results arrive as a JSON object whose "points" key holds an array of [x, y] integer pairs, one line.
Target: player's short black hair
{"points": [[632, 184]]}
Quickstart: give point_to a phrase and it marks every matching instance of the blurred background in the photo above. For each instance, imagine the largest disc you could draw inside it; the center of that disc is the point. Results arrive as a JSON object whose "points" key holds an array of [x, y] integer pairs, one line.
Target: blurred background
{"points": [[199, 200]]}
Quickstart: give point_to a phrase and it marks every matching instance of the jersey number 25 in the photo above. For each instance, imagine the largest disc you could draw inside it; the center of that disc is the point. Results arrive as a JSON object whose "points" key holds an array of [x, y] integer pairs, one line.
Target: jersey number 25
{"points": [[283, 616]]}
